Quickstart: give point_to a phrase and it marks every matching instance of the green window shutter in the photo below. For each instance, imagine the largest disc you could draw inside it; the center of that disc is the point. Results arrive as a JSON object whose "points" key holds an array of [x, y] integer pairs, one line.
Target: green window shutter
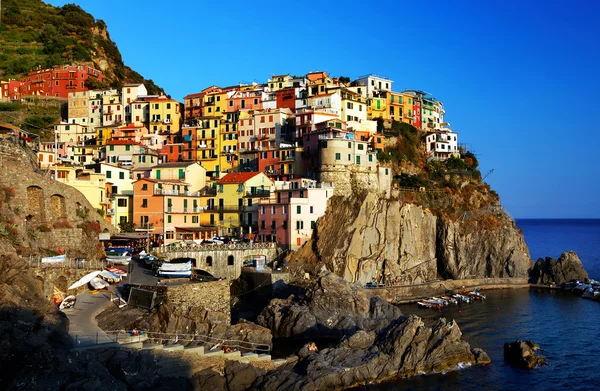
{"points": [[127, 147], [108, 174], [157, 174], [169, 219], [378, 104], [185, 203], [298, 209], [112, 148], [181, 173], [358, 160]]}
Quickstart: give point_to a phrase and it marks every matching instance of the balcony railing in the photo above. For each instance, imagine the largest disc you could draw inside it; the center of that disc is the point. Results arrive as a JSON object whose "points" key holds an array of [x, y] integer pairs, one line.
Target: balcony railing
{"points": [[177, 193], [198, 209]]}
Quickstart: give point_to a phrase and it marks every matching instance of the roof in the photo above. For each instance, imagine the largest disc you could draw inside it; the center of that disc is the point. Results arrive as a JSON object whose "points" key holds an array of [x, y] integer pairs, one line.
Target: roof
{"points": [[316, 75], [154, 180], [133, 85], [237, 177]]}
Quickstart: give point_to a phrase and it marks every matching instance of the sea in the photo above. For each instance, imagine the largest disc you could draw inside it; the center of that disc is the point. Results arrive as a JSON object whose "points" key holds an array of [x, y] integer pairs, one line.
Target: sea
{"points": [[566, 327]]}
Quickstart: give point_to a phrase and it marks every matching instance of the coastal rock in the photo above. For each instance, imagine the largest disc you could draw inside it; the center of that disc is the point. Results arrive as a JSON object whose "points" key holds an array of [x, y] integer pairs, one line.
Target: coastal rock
{"points": [[488, 247], [389, 241], [521, 353], [481, 357], [567, 268], [405, 348], [331, 308]]}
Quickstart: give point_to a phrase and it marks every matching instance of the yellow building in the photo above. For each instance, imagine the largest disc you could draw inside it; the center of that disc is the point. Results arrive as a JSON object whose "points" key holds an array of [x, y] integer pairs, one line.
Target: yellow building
{"points": [[377, 108], [395, 102], [92, 185], [165, 115], [279, 82], [228, 146], [237, 199], [207, 144]]}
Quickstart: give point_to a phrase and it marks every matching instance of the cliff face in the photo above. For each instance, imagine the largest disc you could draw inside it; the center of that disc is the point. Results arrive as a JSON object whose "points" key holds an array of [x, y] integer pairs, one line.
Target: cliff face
{"points": [[376, 239]]}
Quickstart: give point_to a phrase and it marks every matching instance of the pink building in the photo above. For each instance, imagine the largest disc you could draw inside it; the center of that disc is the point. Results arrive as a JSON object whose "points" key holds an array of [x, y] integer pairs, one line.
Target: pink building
{"points": [[291, 213]]}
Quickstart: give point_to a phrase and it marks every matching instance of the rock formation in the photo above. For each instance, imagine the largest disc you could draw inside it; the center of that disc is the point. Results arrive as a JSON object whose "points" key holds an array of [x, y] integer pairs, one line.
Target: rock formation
{"points": [[331, 308], [376, 239], [567, 268], [403, 349], [521, 353]]}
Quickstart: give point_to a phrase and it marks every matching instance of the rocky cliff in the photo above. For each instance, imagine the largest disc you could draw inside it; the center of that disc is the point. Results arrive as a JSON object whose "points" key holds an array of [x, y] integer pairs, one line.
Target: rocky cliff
{"points": [[370, 238]]}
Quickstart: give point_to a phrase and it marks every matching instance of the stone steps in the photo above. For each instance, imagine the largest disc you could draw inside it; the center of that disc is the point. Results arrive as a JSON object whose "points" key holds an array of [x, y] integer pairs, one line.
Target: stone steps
{"points": [[199, 351]]}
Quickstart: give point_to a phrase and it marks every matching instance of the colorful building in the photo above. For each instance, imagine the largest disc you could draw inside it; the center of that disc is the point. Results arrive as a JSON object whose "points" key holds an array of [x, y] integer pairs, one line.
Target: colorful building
{"points": [[58, 81], [290, 214], [165, 115]]}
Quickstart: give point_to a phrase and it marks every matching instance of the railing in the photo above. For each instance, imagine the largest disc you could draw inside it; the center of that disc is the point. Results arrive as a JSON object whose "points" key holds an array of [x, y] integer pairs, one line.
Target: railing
{"points": [[69, 263], [200, 247], [198, 209], [189, 340], [177, 193]]}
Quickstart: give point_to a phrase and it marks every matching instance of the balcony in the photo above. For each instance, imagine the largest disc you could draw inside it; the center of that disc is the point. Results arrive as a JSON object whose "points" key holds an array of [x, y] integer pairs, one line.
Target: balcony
{"points": [[258, 193], [287, 158], [196, 210], [177, 193], [209, 157], [187, 138], [110, 212]]}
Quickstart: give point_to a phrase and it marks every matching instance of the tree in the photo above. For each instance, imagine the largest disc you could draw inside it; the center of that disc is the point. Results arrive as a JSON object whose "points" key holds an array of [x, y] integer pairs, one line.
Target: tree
{"points": [[127, 226], [345, 79]]}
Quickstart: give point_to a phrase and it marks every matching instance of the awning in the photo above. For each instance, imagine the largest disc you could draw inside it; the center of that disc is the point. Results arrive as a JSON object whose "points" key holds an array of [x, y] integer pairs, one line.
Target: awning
{"points": [[125, 158]]}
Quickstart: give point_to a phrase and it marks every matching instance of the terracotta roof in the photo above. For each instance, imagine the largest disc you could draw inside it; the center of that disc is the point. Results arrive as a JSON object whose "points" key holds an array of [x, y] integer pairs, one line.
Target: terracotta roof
{"points": [[237, 177]]}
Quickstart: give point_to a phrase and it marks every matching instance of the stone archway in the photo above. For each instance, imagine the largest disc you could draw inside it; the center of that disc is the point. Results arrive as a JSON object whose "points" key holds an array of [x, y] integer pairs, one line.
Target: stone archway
{"points": [[58, 207], [35, 203]]}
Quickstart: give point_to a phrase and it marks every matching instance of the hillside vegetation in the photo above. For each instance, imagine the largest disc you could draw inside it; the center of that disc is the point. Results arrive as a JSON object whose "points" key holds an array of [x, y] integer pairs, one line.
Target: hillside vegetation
{"points": [[34, 34]]}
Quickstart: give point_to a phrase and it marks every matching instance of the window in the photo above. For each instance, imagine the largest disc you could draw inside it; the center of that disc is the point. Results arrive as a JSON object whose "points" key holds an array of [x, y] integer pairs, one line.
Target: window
{"points": [[144, 203], [313, 224], [349, 144], [299, 209], [220, 188], [358, 160], [284, 224], [122, 202], [209, 261], [299, 224], [370, 157], [338, 156], [350, 105], [169, 219], [312, 209], [262, 210], [283, 209], [145, 186], [273, 224], [111, 148], [108, 174], [262, 224], [361, 147], [121, 175]]}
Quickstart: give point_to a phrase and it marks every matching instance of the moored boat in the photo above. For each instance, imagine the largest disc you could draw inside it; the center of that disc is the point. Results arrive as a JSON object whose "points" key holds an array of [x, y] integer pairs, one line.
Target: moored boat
{"points": [[175, 270], [55, 259]]}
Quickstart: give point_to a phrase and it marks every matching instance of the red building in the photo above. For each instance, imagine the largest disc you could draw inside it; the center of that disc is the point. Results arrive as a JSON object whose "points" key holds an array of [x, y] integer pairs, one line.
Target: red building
{"points": [[10, 90], [58, 80], [286, 98]]}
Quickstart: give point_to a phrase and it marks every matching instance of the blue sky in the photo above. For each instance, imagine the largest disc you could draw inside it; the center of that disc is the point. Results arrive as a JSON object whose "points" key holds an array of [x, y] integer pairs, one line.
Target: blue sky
{"points": [[517, 79]]}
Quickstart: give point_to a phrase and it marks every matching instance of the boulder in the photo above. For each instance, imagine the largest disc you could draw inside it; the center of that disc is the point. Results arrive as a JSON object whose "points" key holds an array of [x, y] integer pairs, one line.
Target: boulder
{"points": [[521, 353], [332, 308], [403, 349], [567, 268]]}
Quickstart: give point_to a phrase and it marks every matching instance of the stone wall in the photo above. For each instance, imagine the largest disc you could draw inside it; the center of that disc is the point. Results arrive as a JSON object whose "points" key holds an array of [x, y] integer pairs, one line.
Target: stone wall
{"points": [[60, 278], [42, 208], [212, 296], [348, 179]]}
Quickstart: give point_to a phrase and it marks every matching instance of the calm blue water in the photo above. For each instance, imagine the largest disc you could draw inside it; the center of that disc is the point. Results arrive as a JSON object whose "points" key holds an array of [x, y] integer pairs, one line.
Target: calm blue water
{"points": [[567, 327]]}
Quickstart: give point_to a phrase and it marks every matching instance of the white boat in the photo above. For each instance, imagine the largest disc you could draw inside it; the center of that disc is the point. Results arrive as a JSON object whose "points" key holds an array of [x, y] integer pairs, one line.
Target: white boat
{"points": [[68, 302], [110, 277], [118, 259], [84, 280], [175, 269], [55, 259], [98, 283]]}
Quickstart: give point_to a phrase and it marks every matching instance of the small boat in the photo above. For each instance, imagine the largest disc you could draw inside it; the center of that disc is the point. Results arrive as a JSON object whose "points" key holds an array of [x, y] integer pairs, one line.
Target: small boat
{"points": [[84, 280], [98, 283], [68, 302], [110, 277], [117, 270], [175, 270], [118, 259], [55, 259], [477, 295]]}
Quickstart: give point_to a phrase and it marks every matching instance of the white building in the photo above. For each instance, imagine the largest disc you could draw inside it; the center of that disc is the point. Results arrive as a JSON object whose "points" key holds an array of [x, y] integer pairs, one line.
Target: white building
{"points": [[441, 144], [374, 84]]}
